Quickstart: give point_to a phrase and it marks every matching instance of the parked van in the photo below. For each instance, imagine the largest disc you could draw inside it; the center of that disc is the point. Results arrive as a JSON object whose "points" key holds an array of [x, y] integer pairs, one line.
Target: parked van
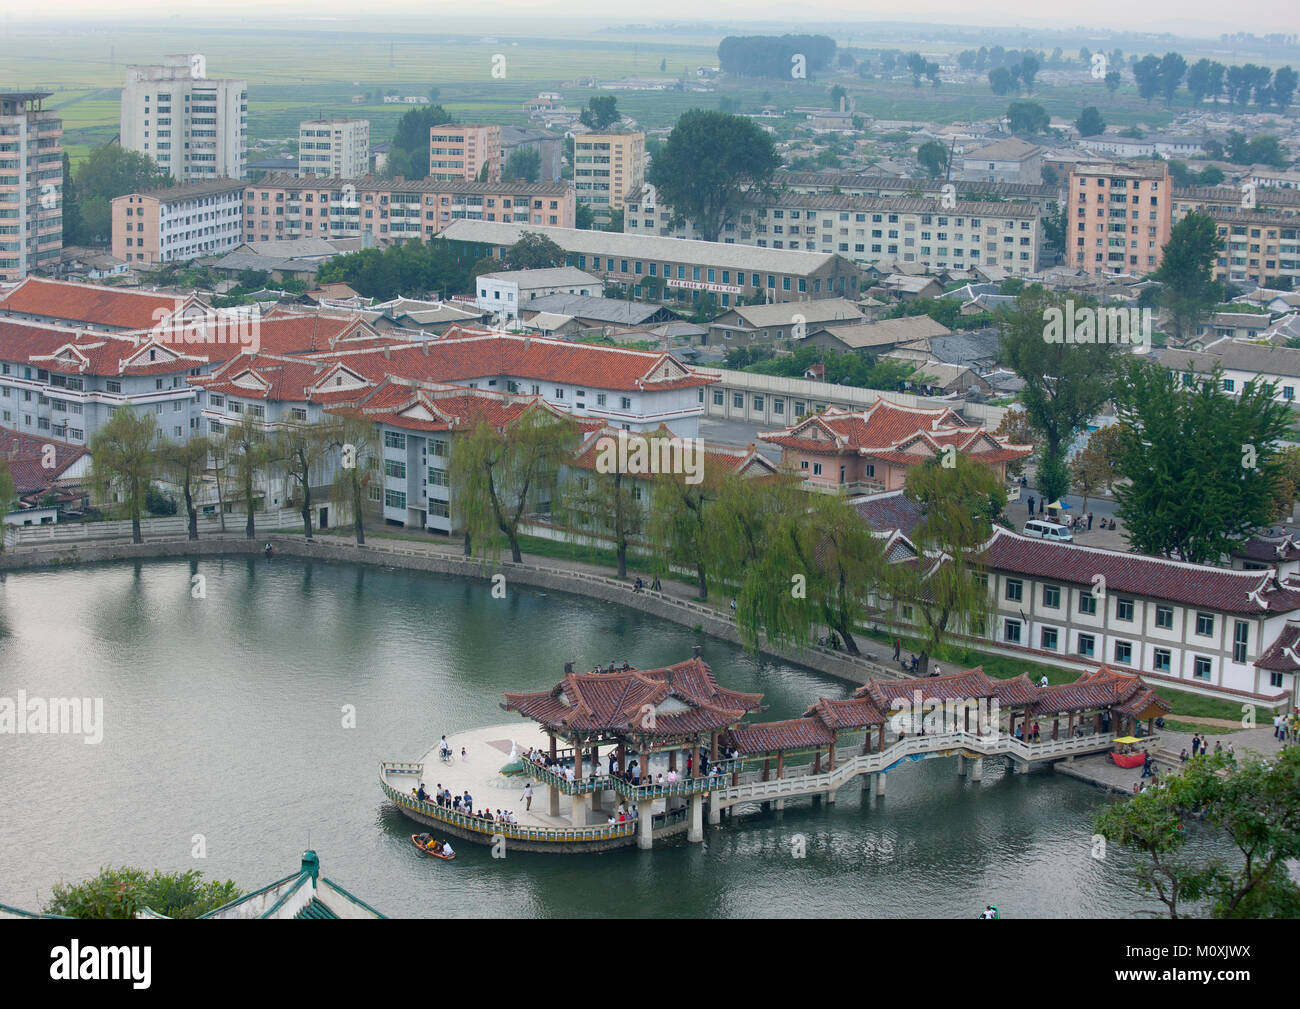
{"points": [[1048, 531]]}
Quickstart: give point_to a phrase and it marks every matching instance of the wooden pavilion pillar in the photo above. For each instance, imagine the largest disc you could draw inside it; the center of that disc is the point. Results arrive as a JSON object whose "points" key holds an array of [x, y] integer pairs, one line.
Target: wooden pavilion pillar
{"points": [[817, 761], [672, 759], [882, 736], [767, 763], [1056, 725], [695, 758], [831, 755], [780, 764], [1069, 728], [552, 735]]}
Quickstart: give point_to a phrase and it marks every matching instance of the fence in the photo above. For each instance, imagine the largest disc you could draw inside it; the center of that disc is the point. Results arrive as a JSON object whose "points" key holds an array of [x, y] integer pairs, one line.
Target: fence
{"points": [[169, 526]]}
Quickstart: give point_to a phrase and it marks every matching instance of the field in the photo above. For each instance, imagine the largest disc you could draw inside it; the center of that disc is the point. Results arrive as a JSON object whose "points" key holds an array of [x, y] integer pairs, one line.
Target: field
{"points": [[301, 73]]}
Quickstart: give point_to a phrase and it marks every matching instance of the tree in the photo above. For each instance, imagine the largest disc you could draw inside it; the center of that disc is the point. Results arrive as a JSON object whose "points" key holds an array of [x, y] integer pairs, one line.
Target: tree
{"points": [[300, 449], [1146, 73], [1065, 384], [73, 226], [1028, 117], [409, 154], [357, 441], [933, 157], [8, 495], [1001, 81], [583, 218], [533, 251], [838, 96], [524, 163], [1254, 804], [1017, 429], [111, 171], [250, 457], [1090, 123], [123, 457], [1112, 81], [1201, 464], [600, 113], [122, 893], [711, 165], [1090, 471], [916, 66], [1172, 69], [1028, 70], [496, 473], [1186, 273], [1284, 85], [184, 463], [679, 520], [1198, 80], [959, 504]]}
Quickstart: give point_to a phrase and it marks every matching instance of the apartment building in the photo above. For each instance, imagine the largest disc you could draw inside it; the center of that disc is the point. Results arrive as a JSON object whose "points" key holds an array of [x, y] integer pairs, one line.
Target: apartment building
{"points": [[1242, 362], [868, 229], [31, 184], [196, 128], [465, 151], [1006, 160], [549, 148], [608, 167], [1259, 247], [284, 207], [1279, 202], [334, 148], [178, 224], [1119, 217], [509, 291], [672, 270]]}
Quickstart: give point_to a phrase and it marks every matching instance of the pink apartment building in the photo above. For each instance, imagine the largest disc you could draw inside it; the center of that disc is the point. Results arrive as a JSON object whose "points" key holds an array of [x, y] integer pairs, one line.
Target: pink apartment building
{"points": [[460, 151], [1118, 216]]}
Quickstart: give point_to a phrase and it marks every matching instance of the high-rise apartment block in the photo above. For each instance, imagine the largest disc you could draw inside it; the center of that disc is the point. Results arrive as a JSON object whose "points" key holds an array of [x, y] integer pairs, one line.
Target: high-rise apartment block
{"points": [[462, 151], [31, 184], [196, 128], [334, 148], [1118, 216], [608, 167]]}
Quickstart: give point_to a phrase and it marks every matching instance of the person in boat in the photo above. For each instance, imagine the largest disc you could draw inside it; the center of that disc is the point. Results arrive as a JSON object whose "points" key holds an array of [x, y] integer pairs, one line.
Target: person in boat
{"points": [[446, 849], [268, 549], [423, 840]]}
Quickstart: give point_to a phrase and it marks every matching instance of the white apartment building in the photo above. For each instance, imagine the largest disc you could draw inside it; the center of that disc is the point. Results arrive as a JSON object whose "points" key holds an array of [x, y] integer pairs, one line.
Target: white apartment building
{"points": [[178, 224], [31, 184], [196, 128], [504, 292], [334, 148]]}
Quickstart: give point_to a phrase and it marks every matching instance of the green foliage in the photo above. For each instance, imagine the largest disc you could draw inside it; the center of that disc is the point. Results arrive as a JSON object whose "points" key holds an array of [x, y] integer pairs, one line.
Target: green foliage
{"points": [[1253, 802], [1027, 117], [1261, 150], [524, 163], [1090, 123], [411, 269], [1201, 464], [409, 154], [1065, 384], [110, 171], [850, 368], [711, 166], [1053, 476], [533, 251], [601, 113], [933, 157], [158, 503], [120, 893], [123, 457], [772, 56], [1186, 272]]}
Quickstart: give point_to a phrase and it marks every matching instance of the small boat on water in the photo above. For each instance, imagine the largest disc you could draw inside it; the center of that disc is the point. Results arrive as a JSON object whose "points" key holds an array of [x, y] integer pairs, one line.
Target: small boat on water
{"points": [[415, 840]]}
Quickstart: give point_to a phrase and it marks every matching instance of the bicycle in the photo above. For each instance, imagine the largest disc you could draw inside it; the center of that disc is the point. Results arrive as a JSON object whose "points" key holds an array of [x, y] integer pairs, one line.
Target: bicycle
{"points": [[446, 756]]}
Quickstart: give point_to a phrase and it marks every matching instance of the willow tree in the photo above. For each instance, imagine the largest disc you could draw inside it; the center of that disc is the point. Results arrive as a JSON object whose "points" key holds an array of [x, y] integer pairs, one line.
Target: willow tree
{"points": [[947, 582], [7, 494], [250, 458], [185, 463], [124, 455], [607, 505], [300, 448], [496, 473], [357, 440], [677, 525]]}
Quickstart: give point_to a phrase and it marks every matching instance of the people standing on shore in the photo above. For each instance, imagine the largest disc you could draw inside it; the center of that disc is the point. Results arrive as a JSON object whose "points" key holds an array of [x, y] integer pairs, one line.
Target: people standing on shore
{"points": [[1196, 745]]}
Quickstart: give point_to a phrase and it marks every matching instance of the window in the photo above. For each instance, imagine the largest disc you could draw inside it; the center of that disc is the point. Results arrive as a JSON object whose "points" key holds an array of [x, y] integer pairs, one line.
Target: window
{"points": [[394, 499], [600, 398], [437, 477], [1015, 590], [394, 439], [1165, 617], [717, 397], [114, 385], [817, 469], [1087, 603], [738, 401], [298, 413], [1011, 631], [1201, 667], [1124, 609], [1124, 652], [395, 468], [438, 448], [1047, 639], [1240, 638], [1205, 624], [625, 403], [1087, 645], [1052, 596], [1160, 660]]}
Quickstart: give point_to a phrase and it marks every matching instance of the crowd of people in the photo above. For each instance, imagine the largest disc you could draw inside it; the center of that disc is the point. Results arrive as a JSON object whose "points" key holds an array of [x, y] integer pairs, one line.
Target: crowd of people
{"points": [[630, 774], [463, 804]]}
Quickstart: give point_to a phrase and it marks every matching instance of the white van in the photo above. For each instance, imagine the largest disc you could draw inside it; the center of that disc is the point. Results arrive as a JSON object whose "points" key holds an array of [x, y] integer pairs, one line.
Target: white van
{"points": [[1048, 531]]}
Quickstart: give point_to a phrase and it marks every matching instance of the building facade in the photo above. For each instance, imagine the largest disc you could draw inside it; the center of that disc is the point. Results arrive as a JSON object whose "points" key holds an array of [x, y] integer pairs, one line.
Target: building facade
{"points": [[31, 184], [284, 207], [509, 291], [194, 127], [1119, 217], [334, 148], [461, 151], [608, 167], [178, 224]]}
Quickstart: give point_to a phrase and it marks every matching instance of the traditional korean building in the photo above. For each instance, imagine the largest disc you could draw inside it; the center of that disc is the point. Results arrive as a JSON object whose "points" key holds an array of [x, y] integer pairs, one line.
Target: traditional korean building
{"points": [[872, 450]]}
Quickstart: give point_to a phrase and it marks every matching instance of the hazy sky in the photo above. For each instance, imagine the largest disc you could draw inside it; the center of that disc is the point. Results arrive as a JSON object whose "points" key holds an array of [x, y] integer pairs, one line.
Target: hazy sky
{"points": [[1199, 17]]}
